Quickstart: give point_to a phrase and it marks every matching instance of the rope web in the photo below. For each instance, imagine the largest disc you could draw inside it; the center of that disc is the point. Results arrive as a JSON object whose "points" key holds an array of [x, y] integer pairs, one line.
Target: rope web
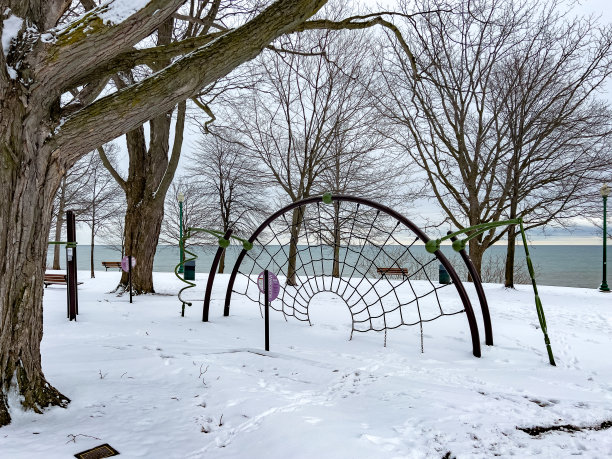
{"points": [[337, 248]]}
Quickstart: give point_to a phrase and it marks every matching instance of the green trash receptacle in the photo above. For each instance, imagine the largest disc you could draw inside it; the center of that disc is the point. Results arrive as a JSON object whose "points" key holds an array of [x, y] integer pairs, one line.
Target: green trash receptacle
{"points": [[443, 277], [189, 273]]}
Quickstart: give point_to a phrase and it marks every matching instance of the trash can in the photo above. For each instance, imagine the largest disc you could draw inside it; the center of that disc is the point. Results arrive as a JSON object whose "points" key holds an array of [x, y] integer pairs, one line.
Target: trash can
{"points": [[189, 270], [443, 278]]}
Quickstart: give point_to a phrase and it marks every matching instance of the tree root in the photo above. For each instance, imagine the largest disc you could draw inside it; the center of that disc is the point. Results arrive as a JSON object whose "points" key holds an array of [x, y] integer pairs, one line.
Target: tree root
{"points": [[37, 395]]}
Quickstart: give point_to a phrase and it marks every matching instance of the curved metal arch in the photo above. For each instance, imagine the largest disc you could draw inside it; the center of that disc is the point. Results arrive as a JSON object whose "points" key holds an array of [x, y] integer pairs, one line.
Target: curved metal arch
{"points": [[399, 217], [484, 305]]}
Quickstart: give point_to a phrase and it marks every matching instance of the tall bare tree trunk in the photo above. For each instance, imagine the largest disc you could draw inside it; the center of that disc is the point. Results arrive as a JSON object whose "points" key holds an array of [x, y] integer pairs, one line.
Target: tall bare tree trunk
{"points": [[59, 222], [510, 253], [296, 225], [221, 263], [476, 250], [336, 266], [142, 226], [145, 206], [514, 198], [29, 180]]}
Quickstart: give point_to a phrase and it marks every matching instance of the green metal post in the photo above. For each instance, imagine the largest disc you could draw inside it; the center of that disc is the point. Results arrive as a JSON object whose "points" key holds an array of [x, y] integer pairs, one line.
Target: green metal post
{"points": [[181, 247], [604, 283]]}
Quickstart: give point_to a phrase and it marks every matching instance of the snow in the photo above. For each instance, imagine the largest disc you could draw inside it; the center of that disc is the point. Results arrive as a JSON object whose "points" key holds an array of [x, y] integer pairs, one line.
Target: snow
{"points": [[117, 11], [154, 384], [10, 28]]}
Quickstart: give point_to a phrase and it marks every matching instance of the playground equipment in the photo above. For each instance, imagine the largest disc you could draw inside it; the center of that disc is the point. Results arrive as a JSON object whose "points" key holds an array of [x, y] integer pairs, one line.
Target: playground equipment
{"points": [[433, 246], [224, 241], [336, 244]]}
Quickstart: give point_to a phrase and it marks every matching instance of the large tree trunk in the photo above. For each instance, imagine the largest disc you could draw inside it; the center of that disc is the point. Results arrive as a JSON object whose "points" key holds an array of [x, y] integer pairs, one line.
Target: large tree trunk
{"points": [[29, 180], [145, 204], [142, 227], [149, 176]]}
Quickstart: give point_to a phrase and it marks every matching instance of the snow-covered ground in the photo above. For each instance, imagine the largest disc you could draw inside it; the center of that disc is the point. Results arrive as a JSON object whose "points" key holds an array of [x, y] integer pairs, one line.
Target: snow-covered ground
{"points": [[154, 384]]}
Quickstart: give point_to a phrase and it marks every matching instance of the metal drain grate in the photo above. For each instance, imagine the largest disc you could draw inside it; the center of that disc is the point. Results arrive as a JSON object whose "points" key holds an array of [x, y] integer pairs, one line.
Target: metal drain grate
{"points": [[98, 452]]}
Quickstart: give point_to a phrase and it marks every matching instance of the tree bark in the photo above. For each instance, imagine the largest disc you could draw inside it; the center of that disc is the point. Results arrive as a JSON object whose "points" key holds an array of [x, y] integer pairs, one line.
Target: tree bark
{"points": [[477, 251], [296, 225], [221, 263], [510, 253], [29, 183], [336, 265]]}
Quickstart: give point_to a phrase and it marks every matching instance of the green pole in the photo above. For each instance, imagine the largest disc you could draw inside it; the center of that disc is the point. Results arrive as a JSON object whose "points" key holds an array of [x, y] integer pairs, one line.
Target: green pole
{"points": [[538, 301], [181, 198], [604, 283]]}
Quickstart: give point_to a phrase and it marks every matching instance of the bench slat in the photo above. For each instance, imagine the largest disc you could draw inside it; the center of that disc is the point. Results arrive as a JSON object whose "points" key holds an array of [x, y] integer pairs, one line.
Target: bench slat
{"points": [[111, 264], [392, 271], [59, 279]]}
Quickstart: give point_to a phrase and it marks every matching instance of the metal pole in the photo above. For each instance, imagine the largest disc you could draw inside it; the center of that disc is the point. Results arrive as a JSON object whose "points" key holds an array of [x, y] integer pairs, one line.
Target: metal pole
{"points": [[211, 278], [267, 310], [130, 275], [604, 284], [484, 306], [71, 266], [182, 253]]}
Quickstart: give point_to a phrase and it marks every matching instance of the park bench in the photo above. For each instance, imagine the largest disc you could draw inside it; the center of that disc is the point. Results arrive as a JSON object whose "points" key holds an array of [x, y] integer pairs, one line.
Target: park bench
{"points": [[54, 279], [111, 264], [392, 271], [59, 279]]}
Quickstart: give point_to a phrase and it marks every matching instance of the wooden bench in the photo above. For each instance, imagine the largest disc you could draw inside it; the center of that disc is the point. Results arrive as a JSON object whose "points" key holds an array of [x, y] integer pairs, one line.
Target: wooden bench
{"points": [[54, 279], [392, 271], [59, 279], [111, 264]]}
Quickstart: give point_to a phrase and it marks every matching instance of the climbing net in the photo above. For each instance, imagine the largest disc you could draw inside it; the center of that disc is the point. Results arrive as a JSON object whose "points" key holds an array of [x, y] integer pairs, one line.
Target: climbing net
{"points": [[364, 255]]}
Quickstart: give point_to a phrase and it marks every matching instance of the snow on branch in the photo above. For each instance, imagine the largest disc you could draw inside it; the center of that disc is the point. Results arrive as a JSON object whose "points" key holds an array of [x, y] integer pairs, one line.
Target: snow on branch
{"points": [[99, 35]]}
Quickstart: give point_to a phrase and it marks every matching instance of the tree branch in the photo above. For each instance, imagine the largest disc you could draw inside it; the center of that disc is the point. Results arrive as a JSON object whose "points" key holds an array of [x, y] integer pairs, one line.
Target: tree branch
{"points": [[355, 23], [110, 168], [111, 116], [77, 48], [176, 152], [206, 109], [147, 56], [202, 22]]}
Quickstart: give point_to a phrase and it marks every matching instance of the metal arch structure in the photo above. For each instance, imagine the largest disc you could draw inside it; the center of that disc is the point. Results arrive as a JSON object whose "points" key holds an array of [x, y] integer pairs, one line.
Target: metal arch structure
{"points": [[476, 351], [484, 305]]}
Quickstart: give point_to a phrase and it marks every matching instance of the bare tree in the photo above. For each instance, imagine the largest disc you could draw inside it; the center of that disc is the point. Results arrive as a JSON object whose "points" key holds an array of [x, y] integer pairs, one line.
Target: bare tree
{"points": [[68, 197], [112, 232], [558, 130], [100, 198], [228, 183], [310, 119], [51, 76], [497, 117]]}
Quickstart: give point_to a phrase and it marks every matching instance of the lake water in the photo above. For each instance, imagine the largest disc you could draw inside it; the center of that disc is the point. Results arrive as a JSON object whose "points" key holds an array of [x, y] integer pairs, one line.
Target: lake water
{"points": [[563, 265]]}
